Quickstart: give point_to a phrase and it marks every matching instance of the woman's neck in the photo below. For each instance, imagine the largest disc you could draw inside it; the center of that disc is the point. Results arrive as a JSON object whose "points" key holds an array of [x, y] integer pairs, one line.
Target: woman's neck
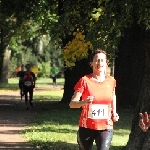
{"points": [[99, 77]]}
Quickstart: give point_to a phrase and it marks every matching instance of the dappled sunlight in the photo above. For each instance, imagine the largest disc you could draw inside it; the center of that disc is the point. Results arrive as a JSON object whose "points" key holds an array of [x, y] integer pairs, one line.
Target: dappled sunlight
{"points": [[120, 137], [121, 132], [7, 129], [54, 125], [15, 145], [5, 104]]}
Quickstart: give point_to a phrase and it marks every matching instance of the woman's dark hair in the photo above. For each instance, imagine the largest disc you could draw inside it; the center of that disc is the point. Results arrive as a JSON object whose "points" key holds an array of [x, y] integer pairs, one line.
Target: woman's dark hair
{"points": [[94, 52]]}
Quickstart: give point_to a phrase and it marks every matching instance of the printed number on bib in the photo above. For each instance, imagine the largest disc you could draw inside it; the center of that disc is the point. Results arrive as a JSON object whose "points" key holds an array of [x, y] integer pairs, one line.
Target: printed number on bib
{"points": [[27, 83], [98, 111]]}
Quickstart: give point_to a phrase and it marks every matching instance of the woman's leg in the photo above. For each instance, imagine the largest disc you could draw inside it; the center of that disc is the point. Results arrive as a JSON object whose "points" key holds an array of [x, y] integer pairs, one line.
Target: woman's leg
{"points": [[54, 81], [85, 138], [103, 139], [25, 90], [31, 96]]}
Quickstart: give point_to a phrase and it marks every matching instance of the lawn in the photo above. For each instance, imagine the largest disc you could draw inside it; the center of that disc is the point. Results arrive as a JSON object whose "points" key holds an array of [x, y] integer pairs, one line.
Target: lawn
{"points": [[56, 129], [56, 125]]}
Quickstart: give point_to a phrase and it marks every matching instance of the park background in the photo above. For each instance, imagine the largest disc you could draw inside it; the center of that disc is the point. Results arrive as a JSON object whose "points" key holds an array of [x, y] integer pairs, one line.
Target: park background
{"points": [[65, 32]]}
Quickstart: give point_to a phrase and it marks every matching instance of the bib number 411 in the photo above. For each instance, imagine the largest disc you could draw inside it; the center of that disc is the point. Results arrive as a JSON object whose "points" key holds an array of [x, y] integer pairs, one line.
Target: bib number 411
{"points": [[98, 111]]}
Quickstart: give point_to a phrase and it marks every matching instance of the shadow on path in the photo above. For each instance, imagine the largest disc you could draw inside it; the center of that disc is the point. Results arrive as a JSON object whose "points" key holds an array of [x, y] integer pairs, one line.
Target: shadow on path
{"points": [[13, 119]]}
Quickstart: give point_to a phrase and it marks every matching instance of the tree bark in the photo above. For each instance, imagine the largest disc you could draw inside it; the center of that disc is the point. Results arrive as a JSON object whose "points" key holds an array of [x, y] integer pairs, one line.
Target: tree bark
{"points": [[4, 56], [1, 52], [139, 140], [129, 67], [72, 76], [4, 74]]}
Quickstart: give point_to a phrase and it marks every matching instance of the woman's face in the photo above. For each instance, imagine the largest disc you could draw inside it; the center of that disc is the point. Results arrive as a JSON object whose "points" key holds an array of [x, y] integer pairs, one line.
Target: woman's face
{"points": [[99, 63]]}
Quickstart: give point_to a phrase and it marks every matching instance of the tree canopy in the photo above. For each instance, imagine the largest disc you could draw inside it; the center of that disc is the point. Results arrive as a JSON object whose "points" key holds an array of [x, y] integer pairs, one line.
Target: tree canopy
{"points": [[102, 22], [27, 16], [24, 20]]}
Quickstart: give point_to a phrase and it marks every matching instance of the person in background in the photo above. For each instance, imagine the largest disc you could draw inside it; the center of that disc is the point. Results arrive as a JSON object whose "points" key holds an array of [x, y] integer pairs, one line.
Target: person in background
{"points": [[21, 70], [95, 93], [144, 122], [18, 69], [28, 86], [53, 74], [34, 69]]}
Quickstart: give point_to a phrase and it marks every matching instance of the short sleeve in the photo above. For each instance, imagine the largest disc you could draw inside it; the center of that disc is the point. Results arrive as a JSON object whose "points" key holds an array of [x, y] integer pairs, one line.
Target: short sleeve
{"points": [[18, 74], [21, 74], [80, 85]]}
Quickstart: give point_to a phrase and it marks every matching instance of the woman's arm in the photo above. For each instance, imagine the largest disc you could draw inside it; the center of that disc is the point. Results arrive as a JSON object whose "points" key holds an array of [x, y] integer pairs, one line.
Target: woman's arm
{"points": [[115, 116], [76, 103], [113, 103]]}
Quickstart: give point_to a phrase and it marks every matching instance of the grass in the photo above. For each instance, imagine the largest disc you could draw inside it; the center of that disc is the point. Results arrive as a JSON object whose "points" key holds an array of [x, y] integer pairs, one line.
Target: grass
{"points": [[41, 82], [56, 129], [56, 125]]}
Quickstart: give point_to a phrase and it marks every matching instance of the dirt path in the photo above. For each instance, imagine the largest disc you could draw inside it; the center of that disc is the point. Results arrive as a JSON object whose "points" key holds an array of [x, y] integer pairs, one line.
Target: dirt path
{"points": [[13, 119]]}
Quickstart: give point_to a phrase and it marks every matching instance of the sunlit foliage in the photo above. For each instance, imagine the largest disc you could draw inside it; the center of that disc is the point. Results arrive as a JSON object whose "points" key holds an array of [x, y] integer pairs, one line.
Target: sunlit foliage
{"points": [[76, 49]]}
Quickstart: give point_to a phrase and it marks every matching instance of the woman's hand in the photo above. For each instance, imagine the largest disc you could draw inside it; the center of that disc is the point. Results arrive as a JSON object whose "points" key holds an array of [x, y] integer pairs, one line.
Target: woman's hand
{"points": [[115, 117], [75, 103], [88, 100], [144, 122]]}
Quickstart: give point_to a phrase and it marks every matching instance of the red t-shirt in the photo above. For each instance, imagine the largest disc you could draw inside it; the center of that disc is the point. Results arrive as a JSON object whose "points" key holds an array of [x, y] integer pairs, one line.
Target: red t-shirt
{"points": [[97, 115]]}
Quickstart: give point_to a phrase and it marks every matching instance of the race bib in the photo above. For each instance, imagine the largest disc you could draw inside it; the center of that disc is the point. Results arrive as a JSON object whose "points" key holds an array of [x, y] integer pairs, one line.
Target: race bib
{"points": [[27, 83], [52, 75], [98, 111]]}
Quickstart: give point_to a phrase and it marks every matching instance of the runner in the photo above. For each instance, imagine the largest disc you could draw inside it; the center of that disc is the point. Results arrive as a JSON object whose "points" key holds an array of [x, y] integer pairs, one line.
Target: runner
{"points": [[28, 86], [98, 103], [53, 74]]}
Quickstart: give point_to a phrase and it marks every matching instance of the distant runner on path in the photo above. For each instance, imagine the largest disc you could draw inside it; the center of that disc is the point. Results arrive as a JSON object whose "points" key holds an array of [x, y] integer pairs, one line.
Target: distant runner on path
{"points": [[53, 74], [28, 86]]}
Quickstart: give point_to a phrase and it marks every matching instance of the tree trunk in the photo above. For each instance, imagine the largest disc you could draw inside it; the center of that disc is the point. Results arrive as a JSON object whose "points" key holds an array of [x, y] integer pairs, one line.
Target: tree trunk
{"points": [[139, 140], [4, 56], [72, 76], [4, 74], [129, 67], [1, 51]]}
